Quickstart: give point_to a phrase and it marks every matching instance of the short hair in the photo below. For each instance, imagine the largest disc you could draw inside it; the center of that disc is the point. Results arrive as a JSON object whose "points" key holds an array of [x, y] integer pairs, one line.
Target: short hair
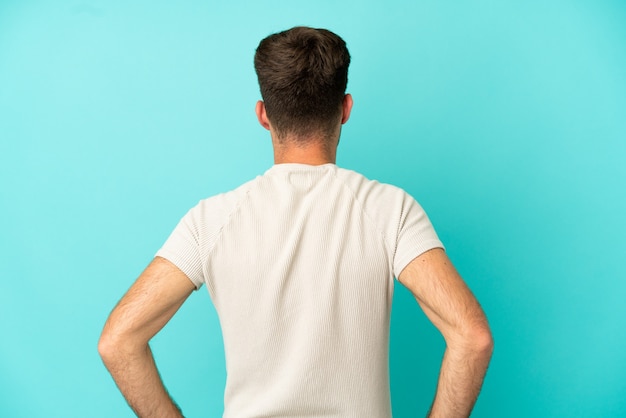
{"points": [[303, 74]]}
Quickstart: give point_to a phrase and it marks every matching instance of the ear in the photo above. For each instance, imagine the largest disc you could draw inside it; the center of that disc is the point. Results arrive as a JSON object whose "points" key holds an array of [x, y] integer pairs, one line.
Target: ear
{"points": [[347, 108], [261, 115]]}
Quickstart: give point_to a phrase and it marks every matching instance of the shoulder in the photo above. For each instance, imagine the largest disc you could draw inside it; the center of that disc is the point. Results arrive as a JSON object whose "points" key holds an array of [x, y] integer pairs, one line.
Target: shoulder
{"points": [[217, 208], [372, 193]]}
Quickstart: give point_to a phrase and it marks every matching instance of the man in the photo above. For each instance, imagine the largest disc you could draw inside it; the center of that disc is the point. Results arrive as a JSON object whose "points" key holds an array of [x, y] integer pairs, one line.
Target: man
{"points": [[300, 264]]}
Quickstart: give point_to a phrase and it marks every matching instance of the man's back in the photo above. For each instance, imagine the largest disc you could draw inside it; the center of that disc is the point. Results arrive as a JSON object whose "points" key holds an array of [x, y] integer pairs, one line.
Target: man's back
{"points": [[299, 264]]}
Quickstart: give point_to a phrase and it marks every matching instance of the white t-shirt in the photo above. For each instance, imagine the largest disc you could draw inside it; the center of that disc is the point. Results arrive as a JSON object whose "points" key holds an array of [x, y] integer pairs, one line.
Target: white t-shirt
{"points": [[300, 264]]}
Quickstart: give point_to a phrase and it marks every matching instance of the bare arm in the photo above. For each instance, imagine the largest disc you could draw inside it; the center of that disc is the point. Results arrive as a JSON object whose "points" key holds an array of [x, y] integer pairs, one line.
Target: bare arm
{"points": [[147, 306], [453, 309]]}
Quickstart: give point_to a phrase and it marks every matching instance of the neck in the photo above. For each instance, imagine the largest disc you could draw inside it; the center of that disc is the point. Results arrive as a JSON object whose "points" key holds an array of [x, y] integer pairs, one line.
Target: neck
{"points": [[313, 153]]}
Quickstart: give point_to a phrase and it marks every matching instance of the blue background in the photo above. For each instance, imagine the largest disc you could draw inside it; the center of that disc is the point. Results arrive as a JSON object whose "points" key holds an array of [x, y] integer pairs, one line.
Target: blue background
{"points": [[506, 120]]}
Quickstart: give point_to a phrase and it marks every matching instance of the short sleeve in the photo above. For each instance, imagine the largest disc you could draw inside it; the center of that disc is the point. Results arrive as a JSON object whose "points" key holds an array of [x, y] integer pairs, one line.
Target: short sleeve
{"points": [[416, 234], [183, 248]]}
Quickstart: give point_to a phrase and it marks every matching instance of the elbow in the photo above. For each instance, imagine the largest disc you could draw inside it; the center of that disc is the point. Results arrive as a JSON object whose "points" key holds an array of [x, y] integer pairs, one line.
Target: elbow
{"points": [[115, 346], [106, 347], [476, 339], [484, 341], [112, 346], [480, 340]]}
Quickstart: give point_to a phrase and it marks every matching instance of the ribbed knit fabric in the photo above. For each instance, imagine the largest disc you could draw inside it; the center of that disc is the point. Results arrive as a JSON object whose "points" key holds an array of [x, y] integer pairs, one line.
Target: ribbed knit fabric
{"points": [[299, 263]]}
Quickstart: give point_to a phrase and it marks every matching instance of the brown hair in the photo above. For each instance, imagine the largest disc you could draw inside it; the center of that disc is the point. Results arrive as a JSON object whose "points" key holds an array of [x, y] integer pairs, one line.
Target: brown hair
{"points": [[303, 74]]}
